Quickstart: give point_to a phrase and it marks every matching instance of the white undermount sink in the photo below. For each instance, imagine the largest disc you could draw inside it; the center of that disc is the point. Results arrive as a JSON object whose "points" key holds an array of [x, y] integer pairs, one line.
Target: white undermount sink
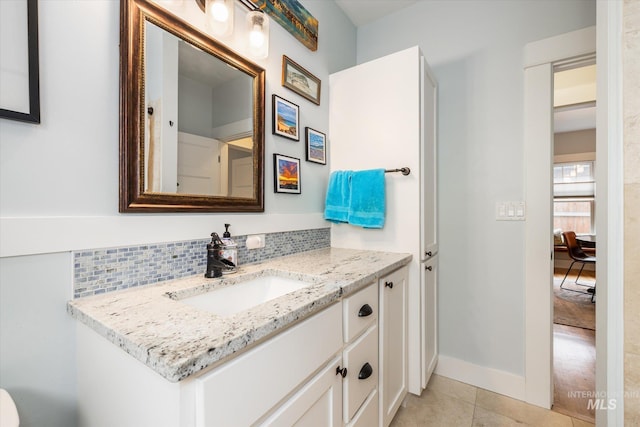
{"points": [[244, 295]]}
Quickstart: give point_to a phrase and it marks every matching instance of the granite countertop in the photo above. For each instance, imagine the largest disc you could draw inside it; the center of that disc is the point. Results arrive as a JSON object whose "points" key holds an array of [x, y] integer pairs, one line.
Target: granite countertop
{"points": [[176, 340]]}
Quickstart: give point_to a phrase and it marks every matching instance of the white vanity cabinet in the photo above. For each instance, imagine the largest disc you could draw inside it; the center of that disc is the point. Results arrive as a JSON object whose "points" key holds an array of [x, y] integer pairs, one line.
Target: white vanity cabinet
{"points": [[343, 366], [393, 343], [292, 374]]}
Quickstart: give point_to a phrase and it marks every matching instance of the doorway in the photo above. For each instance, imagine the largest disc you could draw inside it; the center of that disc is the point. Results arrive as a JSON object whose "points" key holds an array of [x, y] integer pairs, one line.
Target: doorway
{"points": [[573, 207], [541, 58]]}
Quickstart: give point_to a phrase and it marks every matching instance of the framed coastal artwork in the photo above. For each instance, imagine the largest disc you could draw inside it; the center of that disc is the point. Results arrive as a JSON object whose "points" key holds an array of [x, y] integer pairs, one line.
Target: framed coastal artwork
{"points": [[19, 82], [293, 17], [286, 172], [300, 81], [316, 146], [286, 118]]}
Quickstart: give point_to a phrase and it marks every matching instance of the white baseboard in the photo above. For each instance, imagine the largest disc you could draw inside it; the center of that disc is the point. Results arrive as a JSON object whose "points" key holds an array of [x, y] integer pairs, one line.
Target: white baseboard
{"points": [[500, 382]]}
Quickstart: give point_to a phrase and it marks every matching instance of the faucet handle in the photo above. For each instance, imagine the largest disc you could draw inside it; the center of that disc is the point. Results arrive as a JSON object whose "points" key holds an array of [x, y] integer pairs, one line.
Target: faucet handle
{"points": [[215, 240]]}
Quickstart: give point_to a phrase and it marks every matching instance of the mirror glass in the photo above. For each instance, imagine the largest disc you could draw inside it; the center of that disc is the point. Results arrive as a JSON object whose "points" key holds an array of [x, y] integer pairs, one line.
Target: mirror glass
{"points": [[194, 140]]}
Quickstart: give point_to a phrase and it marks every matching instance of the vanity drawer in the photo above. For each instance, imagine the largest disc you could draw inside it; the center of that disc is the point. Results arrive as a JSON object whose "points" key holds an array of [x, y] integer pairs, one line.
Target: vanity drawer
{"points": [[244, 389], [360, 311], [367, 415], [361, 360]]}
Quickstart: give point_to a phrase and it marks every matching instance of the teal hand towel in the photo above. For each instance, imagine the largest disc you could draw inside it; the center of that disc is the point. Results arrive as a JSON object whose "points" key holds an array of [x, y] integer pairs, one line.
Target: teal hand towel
{"points": [[336, 206], [367, 206]]}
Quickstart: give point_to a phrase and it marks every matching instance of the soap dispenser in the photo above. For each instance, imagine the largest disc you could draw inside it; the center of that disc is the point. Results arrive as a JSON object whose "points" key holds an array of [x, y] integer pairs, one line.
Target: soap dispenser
{"points": [[229, 250], [214, 255]]}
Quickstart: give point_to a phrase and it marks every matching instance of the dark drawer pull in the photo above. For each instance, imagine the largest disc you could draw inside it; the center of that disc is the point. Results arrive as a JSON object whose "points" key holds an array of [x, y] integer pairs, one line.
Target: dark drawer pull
{"points": [[365, 372], [365, 311], [341, 371], [428, 267], [389, 285]]}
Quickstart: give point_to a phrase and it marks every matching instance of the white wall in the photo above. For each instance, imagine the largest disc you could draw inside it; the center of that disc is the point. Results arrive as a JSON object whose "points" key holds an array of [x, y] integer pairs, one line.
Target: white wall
{"points": [[59, 186], [475, 49]]}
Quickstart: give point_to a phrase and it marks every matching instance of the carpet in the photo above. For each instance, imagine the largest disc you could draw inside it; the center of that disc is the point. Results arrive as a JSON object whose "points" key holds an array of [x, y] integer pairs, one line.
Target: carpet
{"points": [[573, 308]]}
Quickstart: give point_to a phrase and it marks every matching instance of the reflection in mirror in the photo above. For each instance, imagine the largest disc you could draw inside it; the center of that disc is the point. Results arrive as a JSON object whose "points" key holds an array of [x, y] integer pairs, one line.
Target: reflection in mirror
{"points": [[198, 109], [192, 123]]}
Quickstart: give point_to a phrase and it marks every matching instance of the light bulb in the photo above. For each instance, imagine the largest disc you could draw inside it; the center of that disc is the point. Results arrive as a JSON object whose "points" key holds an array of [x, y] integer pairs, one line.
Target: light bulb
{"points": [[256, 37], [257, 27], [219, 17], [219, 11]]}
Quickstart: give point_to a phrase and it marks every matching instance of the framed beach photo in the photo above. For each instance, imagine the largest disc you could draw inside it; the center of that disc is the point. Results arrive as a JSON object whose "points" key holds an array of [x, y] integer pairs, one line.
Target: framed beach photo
{"points": [[300, 81], [286, 173], [19, 74], [316, 146], [286, 118]]}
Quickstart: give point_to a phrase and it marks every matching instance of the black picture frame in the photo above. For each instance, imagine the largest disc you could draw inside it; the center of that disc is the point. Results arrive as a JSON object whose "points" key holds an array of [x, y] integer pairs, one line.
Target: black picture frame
{"points": [[316, 146], [33, 115], [286, 118], [286, 174]]}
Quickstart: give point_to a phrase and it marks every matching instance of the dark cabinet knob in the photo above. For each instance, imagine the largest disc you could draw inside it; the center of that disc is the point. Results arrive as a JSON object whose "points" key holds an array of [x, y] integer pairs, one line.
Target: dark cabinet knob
{"points": [[365, 371], [428, 267], [341, 371], [389, 285], [365, 311], [428, 253]]}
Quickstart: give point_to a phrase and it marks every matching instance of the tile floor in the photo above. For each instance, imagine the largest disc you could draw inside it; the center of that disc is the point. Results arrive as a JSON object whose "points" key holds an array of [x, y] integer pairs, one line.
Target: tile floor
{"points": [[450, 403]]}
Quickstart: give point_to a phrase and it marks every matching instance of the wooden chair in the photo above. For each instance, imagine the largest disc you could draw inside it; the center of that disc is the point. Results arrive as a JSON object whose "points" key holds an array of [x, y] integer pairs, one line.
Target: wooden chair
{"points": [[577, 255]]}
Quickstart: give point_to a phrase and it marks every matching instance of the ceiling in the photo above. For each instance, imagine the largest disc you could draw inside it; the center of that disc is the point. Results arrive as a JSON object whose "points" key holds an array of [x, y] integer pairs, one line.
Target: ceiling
{"points": [[576, 111], [361, 12], [575, 99]]}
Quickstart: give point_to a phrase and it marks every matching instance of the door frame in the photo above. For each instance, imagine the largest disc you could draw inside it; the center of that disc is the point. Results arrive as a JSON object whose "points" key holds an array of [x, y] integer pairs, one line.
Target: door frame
{"points": [[540, 56]]}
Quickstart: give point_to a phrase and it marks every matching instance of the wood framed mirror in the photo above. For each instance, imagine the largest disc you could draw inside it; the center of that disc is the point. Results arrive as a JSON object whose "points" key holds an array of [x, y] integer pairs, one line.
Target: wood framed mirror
{"points": [[191, 118]]}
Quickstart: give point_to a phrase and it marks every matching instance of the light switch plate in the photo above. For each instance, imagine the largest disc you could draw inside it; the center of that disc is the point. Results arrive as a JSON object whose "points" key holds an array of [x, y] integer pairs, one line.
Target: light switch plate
{"points": [[510, 211]]}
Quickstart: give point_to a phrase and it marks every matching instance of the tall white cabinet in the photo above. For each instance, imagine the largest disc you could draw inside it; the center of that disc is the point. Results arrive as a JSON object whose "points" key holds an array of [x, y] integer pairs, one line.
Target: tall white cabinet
{"points": [[383, 115]]}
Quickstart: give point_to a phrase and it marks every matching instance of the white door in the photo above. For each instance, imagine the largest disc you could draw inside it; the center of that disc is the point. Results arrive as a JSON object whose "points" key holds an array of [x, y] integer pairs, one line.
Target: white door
{"points": [[429, 319], [429, 163], [393, 343], [242, 177], [198, 165]]}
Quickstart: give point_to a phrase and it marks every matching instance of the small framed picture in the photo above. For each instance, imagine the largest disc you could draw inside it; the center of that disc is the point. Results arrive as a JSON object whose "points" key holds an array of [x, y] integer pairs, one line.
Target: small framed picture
{"points": [[300, 81], [286, 118], [286, 173], [316, 146]]}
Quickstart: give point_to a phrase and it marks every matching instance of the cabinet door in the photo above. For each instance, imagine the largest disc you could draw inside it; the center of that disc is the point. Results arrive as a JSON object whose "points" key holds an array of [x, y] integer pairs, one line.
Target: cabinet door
{"points": [[393, 343], [318, 403], [428, 163], [361, 360], [429, 319]]}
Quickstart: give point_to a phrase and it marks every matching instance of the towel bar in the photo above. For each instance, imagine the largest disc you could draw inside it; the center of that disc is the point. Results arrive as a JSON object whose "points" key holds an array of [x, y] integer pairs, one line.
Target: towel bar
{"points": [[405, 170]]}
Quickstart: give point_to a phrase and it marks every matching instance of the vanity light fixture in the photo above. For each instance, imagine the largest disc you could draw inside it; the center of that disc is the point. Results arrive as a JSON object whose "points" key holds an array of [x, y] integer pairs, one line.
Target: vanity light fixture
{"points": [[220, 16], [257, 26]]}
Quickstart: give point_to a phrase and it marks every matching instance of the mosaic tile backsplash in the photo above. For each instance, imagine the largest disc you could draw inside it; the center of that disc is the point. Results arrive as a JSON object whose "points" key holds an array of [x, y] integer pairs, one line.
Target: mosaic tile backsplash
{"points": [[98, 271]]}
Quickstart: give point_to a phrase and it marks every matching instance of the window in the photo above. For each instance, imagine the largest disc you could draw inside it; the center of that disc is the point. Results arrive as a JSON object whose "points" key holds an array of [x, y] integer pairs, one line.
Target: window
{"points": [[574, 197]]}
